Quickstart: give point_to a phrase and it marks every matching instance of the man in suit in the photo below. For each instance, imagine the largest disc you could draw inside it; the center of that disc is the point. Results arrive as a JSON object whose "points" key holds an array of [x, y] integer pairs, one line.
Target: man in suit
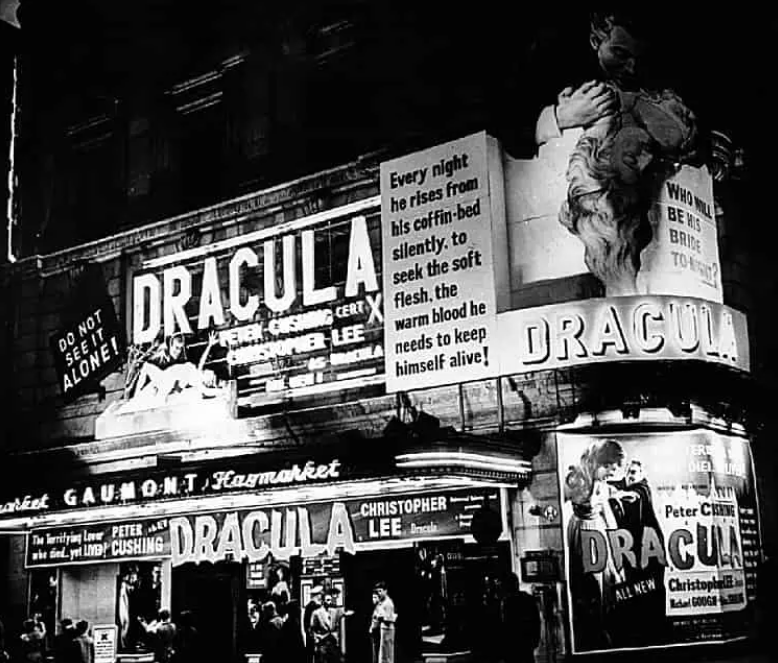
{"points": [[520, 623], [640, 615], [326, 624], [313, 604]]}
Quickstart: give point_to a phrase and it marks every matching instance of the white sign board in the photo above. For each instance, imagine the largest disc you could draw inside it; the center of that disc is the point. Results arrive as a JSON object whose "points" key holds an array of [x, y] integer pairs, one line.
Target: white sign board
{"points": [[438, 264], [683, 257], [601, 330], [104, 636]]}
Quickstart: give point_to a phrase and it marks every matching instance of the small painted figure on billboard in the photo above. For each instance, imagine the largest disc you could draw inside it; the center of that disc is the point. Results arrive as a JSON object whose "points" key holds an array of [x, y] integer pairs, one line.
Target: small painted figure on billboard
{"points": [[127, 610], [433, 579], [279, 587], [382, 625], [640, 616], [138, 603], [164, 370], [587, 489], [633, 138]]}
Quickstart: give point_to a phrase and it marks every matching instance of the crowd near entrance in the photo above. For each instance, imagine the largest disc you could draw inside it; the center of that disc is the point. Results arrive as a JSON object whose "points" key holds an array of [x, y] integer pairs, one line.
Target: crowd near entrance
{"points": [[349, 581], [439, 596]]}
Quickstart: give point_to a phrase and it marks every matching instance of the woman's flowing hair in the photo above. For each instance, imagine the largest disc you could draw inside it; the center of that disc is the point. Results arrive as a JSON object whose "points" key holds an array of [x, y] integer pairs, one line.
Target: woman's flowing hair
{"points": [[608, 216], [580, 478]]}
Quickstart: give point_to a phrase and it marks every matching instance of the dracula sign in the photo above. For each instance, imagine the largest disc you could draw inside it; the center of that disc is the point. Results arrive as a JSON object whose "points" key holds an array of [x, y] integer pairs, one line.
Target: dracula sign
{"points": [[312, 530], [298, 308], [284, 531], [641, 328]]}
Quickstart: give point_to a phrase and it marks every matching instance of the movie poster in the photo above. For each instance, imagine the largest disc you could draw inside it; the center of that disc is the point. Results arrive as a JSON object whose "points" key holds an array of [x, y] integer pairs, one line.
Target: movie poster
{"points": [[661, 538], [617, 199]]}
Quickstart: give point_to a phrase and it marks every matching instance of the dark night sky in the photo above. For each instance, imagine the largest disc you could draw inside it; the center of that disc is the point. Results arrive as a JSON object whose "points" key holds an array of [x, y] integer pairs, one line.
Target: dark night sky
{"points": [[426, 57], [719, 58]]}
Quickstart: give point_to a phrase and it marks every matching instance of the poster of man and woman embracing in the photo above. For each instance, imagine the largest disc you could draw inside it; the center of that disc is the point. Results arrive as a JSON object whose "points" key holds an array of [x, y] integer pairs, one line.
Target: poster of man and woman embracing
{"points": [[661, 538]]}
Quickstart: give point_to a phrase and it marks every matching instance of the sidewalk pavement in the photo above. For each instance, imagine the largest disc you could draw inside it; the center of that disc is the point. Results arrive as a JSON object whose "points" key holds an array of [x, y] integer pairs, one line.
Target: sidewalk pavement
{"points": [[689, 656]]}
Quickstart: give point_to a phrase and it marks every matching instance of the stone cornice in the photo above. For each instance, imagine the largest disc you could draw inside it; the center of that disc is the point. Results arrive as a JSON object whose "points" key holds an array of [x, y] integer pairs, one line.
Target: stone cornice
{"points": [[359, 173]]}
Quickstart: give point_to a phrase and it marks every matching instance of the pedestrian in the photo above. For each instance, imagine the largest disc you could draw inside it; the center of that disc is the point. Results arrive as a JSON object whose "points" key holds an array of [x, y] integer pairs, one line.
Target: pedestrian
{"points": [[293, 644], [82, 644], [383, 623], [766, 614], [163, 634], [485, 621], [40, 626], [326, 624], [4, 655], [30, 643], [313, 604], [375, 632], [520, 623], [253, 632], [270, 638], [186, 644], [63, 641]]}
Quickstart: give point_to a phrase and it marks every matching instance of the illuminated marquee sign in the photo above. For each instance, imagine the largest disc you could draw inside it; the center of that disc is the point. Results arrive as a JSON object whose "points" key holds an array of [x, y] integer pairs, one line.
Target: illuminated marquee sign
{"points": [[254, 535], [309, 530], [141, 539], [622, 329], [298, 308], [27, 503], [155, 486]]}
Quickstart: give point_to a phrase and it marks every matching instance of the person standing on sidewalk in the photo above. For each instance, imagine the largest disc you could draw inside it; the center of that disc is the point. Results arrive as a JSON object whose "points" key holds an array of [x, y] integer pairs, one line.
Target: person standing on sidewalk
{"points": [[520, 623], [4, 655], [383, 622], [82, 644]]}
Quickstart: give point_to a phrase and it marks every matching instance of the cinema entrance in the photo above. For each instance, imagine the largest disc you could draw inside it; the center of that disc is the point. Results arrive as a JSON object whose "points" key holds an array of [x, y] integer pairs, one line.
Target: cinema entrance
{"points": [[446, 595], [213, 594], [444, 583], [223, 559]]}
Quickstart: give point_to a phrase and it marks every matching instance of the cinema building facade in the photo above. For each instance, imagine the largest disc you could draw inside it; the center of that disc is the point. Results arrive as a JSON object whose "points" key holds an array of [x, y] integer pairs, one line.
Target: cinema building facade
{"points": [[400, 385]]}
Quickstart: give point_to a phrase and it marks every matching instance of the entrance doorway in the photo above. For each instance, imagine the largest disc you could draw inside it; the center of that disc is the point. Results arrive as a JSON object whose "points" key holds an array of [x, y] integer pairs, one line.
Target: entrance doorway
{"points": [[361, 572], [211, 592], [446, 595]]}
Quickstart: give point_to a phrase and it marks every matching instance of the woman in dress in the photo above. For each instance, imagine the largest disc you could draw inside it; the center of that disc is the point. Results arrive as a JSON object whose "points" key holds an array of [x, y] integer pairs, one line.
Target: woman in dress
{"points": [[587, 489]]}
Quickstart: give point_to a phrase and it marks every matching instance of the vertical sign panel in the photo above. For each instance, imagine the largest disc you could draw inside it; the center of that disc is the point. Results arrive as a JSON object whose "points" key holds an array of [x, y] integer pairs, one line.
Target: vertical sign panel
{"points": [[436, 213]]}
